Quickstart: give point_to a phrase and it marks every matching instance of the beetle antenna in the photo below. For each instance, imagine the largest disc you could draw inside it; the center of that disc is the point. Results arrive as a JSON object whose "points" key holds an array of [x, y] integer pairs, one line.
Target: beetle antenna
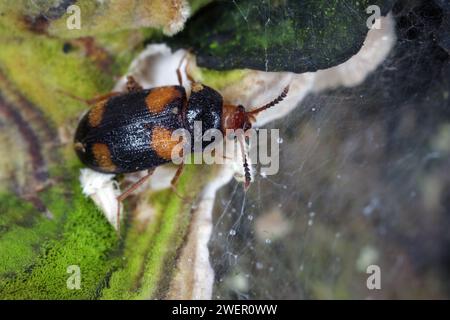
{"points": [[274, 102], [247, 174]]}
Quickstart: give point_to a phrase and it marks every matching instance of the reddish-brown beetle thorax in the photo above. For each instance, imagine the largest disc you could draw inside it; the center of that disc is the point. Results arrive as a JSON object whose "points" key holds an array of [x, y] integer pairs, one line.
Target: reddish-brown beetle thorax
{"points": [[235, 117]]}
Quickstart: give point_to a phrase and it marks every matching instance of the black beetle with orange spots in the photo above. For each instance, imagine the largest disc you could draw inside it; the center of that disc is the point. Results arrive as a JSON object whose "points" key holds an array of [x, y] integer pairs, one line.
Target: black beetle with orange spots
{"points": [[131, 131]]}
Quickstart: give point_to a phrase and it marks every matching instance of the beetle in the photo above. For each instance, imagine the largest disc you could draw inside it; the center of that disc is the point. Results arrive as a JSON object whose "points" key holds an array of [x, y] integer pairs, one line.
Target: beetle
{"points": [[131, 131]]}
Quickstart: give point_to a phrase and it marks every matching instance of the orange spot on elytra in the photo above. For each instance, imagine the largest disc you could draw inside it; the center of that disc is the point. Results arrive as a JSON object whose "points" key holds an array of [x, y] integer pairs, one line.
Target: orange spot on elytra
{"points": [[159, 98], [103, 156], [162, 142], [96, 113]]}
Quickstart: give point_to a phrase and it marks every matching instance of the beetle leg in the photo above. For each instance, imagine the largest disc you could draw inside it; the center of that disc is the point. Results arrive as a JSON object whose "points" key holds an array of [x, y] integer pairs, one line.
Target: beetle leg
{"points": [[135, 185], [130, 190], [133, 85], [176, 178], [180, 78]]}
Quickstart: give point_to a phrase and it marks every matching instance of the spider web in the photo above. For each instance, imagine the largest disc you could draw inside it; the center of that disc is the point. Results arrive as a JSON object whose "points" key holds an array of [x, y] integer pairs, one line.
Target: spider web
{"points": [[363, 181]]}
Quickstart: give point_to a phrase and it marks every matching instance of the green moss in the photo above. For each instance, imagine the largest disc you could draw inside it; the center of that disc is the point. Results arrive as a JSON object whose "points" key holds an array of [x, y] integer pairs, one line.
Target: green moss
{"points": [[150, 250], [22, 230], [35, 258], [86, 240]]}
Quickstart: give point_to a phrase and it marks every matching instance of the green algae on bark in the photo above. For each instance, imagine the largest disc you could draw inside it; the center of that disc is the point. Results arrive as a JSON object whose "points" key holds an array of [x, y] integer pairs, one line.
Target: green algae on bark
{"points": [[291, 35], [152, 244], [38, 62]]}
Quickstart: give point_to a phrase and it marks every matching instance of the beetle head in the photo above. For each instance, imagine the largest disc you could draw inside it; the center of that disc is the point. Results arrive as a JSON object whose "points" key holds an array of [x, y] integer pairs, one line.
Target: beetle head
{"points": [[235, 117]]}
